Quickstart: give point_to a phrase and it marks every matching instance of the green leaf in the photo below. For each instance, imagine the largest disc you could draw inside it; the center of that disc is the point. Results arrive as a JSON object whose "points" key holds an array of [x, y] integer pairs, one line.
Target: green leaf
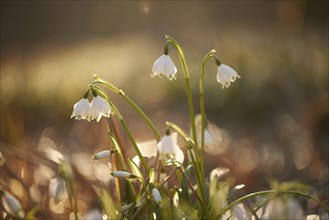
{"points": [[130, 192], [31, 213], [184, 186], [152, 175], [135, 169], [108, 205]]}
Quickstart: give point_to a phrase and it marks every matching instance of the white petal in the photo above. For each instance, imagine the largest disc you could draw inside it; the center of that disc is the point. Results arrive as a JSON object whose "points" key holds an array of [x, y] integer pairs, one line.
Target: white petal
{"points": [[81, 109], [12, 205], [57, 189], [122, 174], [101, 154], [164, 66], [157, 196], [148, 148], [99, 107], [226, 75], [167, 147], [180, 156]]}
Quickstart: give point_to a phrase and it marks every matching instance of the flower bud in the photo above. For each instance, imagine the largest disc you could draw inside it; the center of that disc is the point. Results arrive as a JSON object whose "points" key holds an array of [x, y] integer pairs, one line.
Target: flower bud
{"points": [[57, 189], [102, 154], [157, 197], [122, 174], [12, 205]]}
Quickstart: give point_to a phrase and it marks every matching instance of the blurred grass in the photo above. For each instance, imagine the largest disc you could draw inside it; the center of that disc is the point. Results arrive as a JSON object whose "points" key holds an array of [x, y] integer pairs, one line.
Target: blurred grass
{"points": [[276, 114]]}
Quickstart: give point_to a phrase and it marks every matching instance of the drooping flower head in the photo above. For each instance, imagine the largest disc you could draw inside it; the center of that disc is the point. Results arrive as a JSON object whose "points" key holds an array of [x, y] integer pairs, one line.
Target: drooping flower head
{"points": [[12, 205], [57, 189], [164, 66], [167, 147], [157, 197], [225, 74], [95, 110], [99, 107], [81, 110]]}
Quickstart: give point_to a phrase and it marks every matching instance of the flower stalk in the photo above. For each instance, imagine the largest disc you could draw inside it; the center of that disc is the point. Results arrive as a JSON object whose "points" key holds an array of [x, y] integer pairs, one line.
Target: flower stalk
{"points": [[125, 127], [202, 105], [114, 89], [266, 192], [188, 87]]}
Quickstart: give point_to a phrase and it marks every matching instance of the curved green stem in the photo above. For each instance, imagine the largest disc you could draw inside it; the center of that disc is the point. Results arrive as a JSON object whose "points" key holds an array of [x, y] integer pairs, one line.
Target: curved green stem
{"points": [[188, 87], [131, 102], [202, 105], [118, 148], [189, 143], [251, 195], [125, 127]]}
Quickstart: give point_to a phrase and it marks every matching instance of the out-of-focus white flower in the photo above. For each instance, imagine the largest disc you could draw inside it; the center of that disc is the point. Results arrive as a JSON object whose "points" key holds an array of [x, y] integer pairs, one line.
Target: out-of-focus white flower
{"points": [[167, 147], [213, 141], [93, 214], [99, 107], [2, 159], [57, 189], [226, 75], [240, 213], [313, 217], [102, 154], [122, 174], [157, 197], [12, 205], [164, 66], [81, 110], [278, 208]]}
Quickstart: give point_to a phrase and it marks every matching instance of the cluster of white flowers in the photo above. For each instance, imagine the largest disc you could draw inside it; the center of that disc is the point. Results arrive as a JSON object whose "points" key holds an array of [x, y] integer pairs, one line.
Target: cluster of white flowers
{"points": [[164, 66], [97, 108]]}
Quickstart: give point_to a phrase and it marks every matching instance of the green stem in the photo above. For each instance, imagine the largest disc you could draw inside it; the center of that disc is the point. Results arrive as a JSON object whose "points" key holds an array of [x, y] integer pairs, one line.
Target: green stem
{"points": [[188, 87], [191, 110], [125, 127], [118, 148], [131, 102], [189, 143], [202, 106], [251, 195]]}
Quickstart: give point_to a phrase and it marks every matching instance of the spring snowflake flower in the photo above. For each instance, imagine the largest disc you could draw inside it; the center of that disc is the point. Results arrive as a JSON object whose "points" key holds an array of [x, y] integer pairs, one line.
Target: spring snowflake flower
{"points": [[12, 205], [167, 147], [226, 75], [164, 66], [278, 208], [101, 155], [99, 107], [57, 189], [122, 174], [81, 110], [157, 197]]}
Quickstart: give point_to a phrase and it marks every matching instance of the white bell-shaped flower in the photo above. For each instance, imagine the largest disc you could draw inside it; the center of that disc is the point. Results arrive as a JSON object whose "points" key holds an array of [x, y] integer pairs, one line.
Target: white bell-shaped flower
{"points": [[81, 110], [57, 189], [226, 75], [167, 147], [12, 205], [93, 214], [164, 66], [157, 197], [277, 208], [99, 107]]}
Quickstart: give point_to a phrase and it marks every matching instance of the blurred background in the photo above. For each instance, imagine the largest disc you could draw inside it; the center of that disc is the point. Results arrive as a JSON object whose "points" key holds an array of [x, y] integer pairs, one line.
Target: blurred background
{"points": [[274, 120]]}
